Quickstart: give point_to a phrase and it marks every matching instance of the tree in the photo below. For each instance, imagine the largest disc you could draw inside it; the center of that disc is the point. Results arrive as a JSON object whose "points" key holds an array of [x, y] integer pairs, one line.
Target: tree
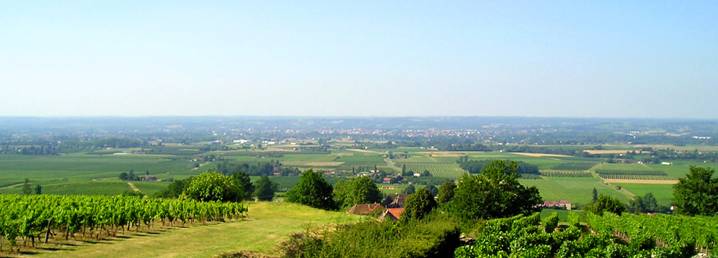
{"points": [[647, 203], [432, 189], [697, 193], [245, 184], [606, 203], [265, 189], [594, 198], [26, 188], [357, 190], [213, 186], [38, 189], [409, 189], [312, 190], [175, 189], [418, 205], [494, 193], [446, 192]]}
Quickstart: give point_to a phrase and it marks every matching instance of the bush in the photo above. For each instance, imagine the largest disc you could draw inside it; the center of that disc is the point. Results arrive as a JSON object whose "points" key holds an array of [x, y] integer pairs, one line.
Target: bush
{"points": [[606, 203], [212, 186], [357, 190], [494, 193], [265, 189], [312, 190], [418, 205], [435, 236]]}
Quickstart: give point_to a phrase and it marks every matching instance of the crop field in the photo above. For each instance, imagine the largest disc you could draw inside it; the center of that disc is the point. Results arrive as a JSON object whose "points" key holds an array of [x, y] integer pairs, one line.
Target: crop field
{"points": [[565, 173], [574, 166], [86, 173], [578, 190], [663, 193]]}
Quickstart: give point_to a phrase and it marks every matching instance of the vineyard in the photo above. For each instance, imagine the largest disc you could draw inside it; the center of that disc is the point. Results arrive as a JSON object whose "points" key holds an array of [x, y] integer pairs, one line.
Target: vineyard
{"points": [[603, 236], [41, 218], [632, 174], [574, 166], [566, 173]]}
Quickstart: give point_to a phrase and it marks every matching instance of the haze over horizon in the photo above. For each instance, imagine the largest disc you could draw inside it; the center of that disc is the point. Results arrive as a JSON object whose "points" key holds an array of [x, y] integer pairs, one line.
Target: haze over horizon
{"points": [[565, 59]]}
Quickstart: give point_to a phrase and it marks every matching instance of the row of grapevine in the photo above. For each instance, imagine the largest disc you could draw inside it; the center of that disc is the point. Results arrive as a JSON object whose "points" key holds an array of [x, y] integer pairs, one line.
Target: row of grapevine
{"points": [[574, 166], [603, 236], [635, 177], [565, 173], [45, 217], [607, 172]]}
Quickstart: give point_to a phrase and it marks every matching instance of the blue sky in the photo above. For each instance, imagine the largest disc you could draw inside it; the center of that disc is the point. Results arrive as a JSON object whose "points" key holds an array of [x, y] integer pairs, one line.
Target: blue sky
{"points": [[360, 58]]}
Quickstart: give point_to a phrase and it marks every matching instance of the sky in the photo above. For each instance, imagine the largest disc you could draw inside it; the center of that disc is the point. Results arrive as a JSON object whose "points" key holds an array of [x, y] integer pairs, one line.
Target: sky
{"points": [[644, 59]]}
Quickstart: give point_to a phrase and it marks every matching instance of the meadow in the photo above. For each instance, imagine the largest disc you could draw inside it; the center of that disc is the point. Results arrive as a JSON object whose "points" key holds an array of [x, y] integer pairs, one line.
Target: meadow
{"points": [[266, 226]]}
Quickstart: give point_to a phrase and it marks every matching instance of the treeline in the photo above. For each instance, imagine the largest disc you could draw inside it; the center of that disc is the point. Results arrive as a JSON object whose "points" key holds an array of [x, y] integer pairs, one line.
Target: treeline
{"points": [[271, 168], [475, 166]]}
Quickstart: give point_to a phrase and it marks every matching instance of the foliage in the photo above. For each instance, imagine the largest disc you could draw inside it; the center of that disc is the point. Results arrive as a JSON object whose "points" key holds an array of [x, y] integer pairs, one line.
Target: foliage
{"points": [[410, 189], [646, 203], [312, 190], [26, 188], [212, 186], [606, 203], [246, 189], [129, 176], [357, 190], [265, 189], [47, 216], [175, 189], [435, 236], [603, 236], [432, 189], [446, 192], [697, 193], [418, 205], [495, 192]]}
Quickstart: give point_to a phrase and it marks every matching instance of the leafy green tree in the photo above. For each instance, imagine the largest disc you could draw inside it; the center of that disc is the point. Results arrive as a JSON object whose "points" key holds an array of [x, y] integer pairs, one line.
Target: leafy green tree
{"points": [[312, 190], [409, 189], [647, 203], [26, 188], [446, 192], [175, 189], [432, 189], [606, 203], [495, 192], [245, 184], [38, 189], [594, 197], [213, 186], [418, 205], [356, 191], [265, 189], [697, 193]]}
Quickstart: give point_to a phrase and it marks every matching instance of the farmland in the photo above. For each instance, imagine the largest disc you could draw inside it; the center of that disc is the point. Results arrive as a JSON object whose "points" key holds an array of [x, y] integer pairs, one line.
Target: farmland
{"points": [[562, 177]]}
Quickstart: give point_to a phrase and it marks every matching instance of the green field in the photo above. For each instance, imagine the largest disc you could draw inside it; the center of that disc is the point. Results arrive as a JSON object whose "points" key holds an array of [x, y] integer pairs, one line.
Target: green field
{"points": [[663, 193], [266, 226], [578, 190]]}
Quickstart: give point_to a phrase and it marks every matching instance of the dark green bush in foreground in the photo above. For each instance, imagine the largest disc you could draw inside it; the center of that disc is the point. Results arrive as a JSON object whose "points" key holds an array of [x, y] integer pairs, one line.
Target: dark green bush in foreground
{"points": [[435, 236]]}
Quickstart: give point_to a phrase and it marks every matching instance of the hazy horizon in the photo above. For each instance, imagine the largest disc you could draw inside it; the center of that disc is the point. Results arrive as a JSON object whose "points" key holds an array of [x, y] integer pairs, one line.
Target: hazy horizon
{"points": [[372, 59]]}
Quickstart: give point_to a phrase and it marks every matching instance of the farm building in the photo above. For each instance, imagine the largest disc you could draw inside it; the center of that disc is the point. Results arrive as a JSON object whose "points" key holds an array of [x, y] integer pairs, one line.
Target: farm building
{"points": [[561, 204], [391, 214], [365, 209]]}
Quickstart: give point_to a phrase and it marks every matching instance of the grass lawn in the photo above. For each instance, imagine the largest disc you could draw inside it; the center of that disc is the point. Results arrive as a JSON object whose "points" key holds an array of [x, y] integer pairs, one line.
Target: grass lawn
{"points": [[266, 226]]}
